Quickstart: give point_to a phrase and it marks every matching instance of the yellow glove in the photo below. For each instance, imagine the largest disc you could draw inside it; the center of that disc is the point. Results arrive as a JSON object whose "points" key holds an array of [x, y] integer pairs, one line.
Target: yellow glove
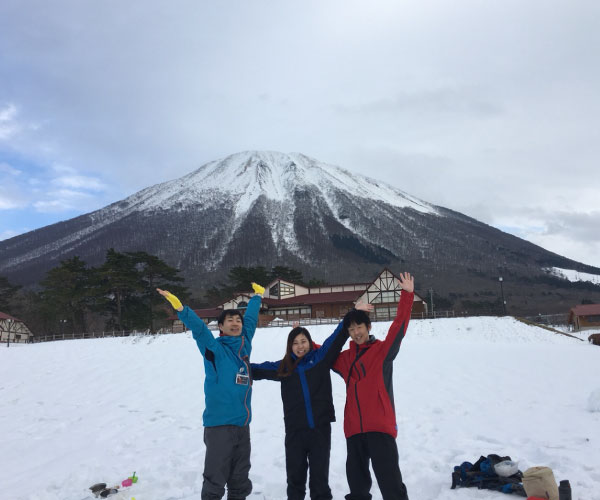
{"points": [[257, 288], [175, 302]]}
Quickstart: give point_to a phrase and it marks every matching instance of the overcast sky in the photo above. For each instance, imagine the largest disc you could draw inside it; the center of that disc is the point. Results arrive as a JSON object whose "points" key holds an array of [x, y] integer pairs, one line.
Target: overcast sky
{"points": [[490, 108]]}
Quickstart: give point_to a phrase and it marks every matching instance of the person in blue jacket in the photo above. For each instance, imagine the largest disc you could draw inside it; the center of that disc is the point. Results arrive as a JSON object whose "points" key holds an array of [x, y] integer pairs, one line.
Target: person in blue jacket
{"points": [[227, 393], [307, 407]]}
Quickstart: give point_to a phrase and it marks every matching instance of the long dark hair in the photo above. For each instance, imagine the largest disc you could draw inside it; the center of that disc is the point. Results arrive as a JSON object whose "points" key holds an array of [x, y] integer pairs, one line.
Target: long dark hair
{"points": [[288, 365]]}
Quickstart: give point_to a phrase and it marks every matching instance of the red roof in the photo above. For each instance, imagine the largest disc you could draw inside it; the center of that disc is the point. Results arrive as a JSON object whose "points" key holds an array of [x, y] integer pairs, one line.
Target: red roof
{"points": [[316, 298], [8, 316], [586, 309]]}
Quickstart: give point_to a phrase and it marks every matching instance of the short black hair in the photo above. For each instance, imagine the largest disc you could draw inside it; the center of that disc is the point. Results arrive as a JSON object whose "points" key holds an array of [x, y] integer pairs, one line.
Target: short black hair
{"points": [[358, 317], [229, 312]]}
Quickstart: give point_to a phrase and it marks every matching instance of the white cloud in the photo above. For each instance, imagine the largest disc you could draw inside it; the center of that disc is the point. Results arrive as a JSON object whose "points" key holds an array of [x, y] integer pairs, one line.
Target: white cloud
{"points": [[441, 101], [8, 125], [79, 182], [5, 168]]}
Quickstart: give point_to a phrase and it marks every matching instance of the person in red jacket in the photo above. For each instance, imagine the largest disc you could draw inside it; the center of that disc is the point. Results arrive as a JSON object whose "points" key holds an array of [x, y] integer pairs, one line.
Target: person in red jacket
{"points": [[369, 416]]}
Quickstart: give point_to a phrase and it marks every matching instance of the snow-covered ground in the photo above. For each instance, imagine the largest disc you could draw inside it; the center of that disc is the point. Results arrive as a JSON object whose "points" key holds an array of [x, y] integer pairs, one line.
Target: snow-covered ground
{"points": [[78, 412]]}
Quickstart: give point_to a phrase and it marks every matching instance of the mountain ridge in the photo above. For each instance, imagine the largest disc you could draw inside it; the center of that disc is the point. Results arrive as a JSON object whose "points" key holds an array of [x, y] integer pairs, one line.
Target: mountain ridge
{"points": [[269, 208]]}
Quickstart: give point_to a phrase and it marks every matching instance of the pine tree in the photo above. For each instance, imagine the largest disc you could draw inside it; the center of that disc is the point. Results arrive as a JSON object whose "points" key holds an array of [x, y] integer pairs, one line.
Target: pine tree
{"points": [[155, 273], [7, 293], [118, 285], [66, 293]]}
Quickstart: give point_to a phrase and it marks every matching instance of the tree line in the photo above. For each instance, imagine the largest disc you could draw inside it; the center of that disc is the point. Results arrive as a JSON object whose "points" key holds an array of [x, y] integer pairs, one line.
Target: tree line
{"points": [[120, 294]]}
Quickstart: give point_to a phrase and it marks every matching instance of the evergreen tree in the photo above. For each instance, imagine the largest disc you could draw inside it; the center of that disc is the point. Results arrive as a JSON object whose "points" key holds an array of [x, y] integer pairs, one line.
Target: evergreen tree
{"points": [[240, 277], [7, 293], [66, 293], [155, 273], [118, 286], [286, 273]]}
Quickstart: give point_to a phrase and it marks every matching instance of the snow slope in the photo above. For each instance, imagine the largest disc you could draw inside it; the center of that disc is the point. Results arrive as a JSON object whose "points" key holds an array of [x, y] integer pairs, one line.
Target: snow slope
{"points": [[574, 276], [78, 412]]}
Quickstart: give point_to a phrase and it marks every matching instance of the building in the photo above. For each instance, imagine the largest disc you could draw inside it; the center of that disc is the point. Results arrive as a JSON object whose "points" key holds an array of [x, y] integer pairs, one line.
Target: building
{"points": [[585, 316], [287, 301], [13, 330]]}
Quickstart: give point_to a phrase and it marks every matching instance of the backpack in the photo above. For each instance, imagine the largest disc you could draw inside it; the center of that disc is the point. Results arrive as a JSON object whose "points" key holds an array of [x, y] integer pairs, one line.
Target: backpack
{"points": [[482, 474]]}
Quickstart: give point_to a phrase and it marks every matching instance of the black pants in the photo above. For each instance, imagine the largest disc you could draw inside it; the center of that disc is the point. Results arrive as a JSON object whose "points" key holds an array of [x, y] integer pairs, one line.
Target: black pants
{"points": [[308, 450], [381, 450], [227, 462]]}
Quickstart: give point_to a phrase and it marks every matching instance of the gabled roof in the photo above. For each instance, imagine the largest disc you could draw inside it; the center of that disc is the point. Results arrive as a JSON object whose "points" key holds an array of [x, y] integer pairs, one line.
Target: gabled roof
{"points": [[315, 298], [586, 309], [8, 316]]}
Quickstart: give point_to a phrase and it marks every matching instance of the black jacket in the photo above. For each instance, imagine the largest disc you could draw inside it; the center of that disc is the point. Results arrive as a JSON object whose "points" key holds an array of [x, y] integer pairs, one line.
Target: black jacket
{"points": [[306, 393]]}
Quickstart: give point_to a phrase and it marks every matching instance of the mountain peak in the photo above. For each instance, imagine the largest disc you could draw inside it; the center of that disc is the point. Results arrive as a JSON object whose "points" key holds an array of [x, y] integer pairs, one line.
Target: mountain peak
{"points": [[241, 178]]}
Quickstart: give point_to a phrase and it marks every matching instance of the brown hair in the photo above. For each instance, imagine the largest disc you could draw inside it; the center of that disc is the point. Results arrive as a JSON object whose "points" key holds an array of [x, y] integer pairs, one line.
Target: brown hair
{"points": [[288, 364]]}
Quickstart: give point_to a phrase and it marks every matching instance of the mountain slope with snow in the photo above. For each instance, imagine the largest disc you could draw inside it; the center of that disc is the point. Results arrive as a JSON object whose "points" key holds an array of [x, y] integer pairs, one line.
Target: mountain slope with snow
{"points": [[266, 209], [79, 412]]}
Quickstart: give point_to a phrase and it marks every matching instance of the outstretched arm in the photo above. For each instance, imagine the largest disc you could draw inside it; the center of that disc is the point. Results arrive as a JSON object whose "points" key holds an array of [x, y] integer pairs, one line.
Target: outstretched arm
{"points": [[400, 324], [265, 371], [202, 335], [252, 311]]}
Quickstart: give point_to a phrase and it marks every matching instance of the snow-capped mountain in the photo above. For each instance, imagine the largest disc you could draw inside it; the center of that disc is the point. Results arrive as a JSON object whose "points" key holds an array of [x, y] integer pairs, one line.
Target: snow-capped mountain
{"points": [[270, 208]]}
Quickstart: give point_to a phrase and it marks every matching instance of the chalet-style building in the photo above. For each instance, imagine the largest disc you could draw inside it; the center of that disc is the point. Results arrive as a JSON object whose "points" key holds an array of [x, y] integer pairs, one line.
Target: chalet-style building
{"points": [[284, 300], [585, 316], [13, 330]]}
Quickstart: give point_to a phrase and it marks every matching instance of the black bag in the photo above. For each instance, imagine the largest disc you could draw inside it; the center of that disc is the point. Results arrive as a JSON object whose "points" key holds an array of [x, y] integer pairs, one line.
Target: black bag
{"points": [[483, 475]]}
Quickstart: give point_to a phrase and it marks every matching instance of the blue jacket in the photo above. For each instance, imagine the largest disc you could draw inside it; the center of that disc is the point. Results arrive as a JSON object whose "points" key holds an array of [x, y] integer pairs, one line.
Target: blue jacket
{"points": [[227, 401], [306, 393]]}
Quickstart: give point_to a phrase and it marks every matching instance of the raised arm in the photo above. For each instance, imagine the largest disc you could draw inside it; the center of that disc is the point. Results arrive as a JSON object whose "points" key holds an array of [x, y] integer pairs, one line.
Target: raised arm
{"points": [[202, 335], [251, 316], [398, 327]]}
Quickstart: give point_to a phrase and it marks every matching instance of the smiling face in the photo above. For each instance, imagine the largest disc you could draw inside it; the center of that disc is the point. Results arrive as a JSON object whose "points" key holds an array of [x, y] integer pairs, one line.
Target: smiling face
{"points": [[301, 345], [232, 325], [359, 332]]}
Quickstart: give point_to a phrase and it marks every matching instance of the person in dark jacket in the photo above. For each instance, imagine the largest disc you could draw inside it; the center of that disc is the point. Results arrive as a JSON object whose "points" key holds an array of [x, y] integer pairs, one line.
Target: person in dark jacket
{"points": [[307, 407], [370, 415], [227, 393]]}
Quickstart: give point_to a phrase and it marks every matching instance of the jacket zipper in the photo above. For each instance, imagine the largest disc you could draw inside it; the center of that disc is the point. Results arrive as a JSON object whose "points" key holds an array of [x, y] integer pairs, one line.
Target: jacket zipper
{"points": [[248, 388], [358, 354]]}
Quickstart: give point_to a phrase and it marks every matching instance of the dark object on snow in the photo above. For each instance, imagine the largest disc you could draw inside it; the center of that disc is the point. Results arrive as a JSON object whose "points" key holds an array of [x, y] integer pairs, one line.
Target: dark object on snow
{"points": [[482, 475], [97, 488], [564, 490], [594, 338], [100, 490]]}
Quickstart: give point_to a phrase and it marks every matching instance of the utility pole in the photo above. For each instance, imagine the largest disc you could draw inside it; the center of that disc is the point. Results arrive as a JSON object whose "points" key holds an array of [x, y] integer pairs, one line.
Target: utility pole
{"points": [[431, 301], [502, 294]]}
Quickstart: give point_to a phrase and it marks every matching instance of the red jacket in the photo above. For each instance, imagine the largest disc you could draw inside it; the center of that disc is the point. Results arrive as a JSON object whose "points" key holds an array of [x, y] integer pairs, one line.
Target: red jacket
{"points": [[367, 371]]}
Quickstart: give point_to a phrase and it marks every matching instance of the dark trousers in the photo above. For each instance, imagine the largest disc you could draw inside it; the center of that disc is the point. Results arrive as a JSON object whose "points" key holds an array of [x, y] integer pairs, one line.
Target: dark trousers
{"points": [[308, 449], [227, 462], [381, 450]]}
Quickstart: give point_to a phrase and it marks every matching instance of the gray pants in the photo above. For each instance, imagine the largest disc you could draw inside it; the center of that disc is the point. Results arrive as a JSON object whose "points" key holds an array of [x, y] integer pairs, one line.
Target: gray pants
{"points": [[227, 462]]}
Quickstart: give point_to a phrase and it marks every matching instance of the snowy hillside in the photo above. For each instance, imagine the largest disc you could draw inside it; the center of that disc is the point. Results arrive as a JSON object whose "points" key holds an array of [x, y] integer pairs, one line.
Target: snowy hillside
{"points": [[79, 412]]}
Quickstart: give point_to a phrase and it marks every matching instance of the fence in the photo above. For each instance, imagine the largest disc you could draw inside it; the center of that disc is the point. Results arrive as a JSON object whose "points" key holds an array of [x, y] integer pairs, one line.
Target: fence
{"points": [[547, 319], [92, 335]]}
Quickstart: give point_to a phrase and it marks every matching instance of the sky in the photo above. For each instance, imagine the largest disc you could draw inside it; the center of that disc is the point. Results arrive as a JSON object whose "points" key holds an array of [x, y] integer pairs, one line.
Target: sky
{"points": [[490, 108]]}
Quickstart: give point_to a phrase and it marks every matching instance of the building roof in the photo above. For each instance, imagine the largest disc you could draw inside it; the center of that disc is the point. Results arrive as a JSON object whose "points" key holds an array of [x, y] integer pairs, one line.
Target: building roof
{"points": [[8, 316], [586, 309], [315, 298]]}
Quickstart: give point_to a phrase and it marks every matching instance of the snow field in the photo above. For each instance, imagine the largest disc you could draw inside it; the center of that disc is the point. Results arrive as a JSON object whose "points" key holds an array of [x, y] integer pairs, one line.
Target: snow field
{"points": [[78, 412]]}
